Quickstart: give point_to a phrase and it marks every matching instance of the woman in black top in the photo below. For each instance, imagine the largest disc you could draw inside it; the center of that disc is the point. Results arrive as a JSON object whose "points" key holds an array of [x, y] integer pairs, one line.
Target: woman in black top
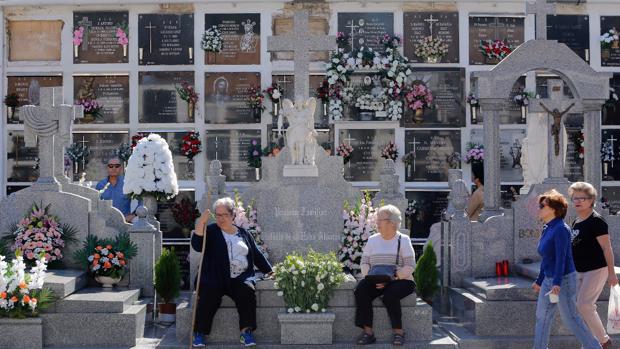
{"points": [[593, 257]]}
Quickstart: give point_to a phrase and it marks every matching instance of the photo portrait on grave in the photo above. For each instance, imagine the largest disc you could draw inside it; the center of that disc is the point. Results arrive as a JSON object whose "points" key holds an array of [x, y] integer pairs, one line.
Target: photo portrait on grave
{"points": [[557, 281], [388, 249], [476, 200], [227, 268], [111, 188], [593, 257]]}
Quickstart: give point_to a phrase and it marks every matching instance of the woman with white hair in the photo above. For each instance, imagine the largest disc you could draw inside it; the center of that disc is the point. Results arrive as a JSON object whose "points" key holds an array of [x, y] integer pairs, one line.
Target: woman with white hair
{"points": [[390, 251], [227, 269]]}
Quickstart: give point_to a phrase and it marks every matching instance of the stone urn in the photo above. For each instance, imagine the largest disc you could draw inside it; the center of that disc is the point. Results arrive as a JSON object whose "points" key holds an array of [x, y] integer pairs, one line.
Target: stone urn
{"points": [[296, 327], [150, 202], [107, 281]]}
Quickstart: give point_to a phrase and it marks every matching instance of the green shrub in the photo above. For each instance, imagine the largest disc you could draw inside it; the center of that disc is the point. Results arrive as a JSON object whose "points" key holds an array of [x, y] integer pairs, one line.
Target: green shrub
{"points": [[168, 275], [426, 274]]}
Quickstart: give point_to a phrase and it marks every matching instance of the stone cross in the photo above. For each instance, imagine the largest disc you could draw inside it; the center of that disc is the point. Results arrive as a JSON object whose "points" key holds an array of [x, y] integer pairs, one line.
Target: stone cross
{"points": [[414, 143], [540, 8], [51, 125], [558, 101], [150, 27], [301, 42], [611, 142], [352, 26]]}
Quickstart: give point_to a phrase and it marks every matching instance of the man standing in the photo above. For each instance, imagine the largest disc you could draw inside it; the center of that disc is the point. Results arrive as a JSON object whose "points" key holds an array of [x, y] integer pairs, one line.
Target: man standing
{"points": [[111, 188]]}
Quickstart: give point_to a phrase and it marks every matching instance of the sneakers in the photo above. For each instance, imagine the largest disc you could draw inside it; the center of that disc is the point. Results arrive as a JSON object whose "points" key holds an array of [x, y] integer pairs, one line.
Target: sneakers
{"points": [[198, 340], [246, 338]]}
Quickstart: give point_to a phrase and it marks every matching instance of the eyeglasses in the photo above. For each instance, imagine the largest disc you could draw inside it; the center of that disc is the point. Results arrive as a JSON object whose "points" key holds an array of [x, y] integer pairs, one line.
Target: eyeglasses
{"points": [[541, 206], [222, 215], [580, 198], [114, 165]]}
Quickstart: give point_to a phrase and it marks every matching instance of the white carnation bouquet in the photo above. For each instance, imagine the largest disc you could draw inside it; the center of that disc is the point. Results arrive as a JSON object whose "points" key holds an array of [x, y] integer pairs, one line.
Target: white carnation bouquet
{"points": [[360, 223], [212, 40], [150, 170]]}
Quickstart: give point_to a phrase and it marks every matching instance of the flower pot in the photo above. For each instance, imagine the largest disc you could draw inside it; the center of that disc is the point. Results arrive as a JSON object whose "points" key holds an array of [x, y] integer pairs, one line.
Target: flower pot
{"points": [[124, 50], [295, 327], [190, 168], [21, 333], [88, 118], [256, 113], [107, 281], [615, 44], [433, 59], [605, 54], [75, 51], [211, 57], [167, 312], [275, 108], [366, 115], [10, 113], [325, 109], [150, 203], [191, 108], [418, 117], [474, 115], [257, 173], [523, 113]]}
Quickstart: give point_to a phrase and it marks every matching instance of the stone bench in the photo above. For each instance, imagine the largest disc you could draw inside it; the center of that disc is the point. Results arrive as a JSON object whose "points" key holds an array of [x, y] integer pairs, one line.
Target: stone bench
{"points": [[417, 317]]}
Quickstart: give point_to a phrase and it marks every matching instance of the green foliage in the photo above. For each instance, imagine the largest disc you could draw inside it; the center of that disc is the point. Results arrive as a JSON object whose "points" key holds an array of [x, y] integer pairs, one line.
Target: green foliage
{"points": [[168, 275], [307, 282], [93, 246], [426, 274]]}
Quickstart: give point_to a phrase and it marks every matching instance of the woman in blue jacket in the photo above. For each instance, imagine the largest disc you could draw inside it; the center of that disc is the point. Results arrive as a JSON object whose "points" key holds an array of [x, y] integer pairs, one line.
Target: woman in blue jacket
{"points": [[557, 277]]}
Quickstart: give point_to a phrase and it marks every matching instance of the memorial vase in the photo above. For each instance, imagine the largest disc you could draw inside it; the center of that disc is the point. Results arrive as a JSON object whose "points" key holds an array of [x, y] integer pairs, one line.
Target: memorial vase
{"points": [[124, 50], [615, 44], [190, 167], [107, 281], [257, 173], [191, 108], [75, 51], [418, 117]]}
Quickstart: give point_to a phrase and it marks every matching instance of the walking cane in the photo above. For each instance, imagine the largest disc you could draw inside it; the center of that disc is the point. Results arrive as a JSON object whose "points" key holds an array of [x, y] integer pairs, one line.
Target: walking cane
{"points": [[197, 296]]}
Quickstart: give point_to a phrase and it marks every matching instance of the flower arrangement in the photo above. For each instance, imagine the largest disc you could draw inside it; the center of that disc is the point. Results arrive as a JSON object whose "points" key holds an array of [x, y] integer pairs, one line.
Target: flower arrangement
{"points": [[610, 38], [271, 150], [185, 213], [246, 218], [135, 138], [431, 48], [254, 99], [273, 92], [254, 154], [360, 223], [369, 102], [78, 35], [495, 49], [121, 35], [522, 98], [346, 151], [419, 96], [39, 232], [390, 41], [212, 40], [322, 92], [409, 157], [579, 142], [191, 144], [342, 39], [607, 152], [150, 170], [187, 93], [22, 294], [474, 153], [123, 152], [611, 102], [78, 152], [107, 257], [472, 100], [454, 160], [11, 100], [307, 282], [390, 151], [91, 107], [412, 209]]}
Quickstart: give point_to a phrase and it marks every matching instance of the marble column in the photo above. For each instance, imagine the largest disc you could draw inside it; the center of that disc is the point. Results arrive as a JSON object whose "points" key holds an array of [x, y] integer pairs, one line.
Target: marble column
{"points": [[490, 107], [592, 140]]}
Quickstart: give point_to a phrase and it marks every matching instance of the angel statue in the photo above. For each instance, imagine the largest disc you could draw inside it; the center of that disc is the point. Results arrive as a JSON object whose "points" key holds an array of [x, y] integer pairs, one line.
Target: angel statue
{"points": [[300, 135]]}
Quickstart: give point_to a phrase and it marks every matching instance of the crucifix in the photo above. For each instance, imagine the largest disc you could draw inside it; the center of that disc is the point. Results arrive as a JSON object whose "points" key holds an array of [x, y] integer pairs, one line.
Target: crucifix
{"points": [[415, 144], [283, 84], [352, 26], [611, 143], [540, 8], [83, 142], [301, 42], [217, 145], [86, 23], [150, 27], [430, 20]]}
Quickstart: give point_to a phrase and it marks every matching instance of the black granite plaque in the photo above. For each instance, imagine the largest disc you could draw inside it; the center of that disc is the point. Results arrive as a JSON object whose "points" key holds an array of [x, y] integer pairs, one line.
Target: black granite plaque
{"points": [[366, 162], [611, 111], [172, 229], [241, 38], [102, 146], [448, 87], [158, 98], [511, 114], [511, 143], [611, 168], [432, 149], [572, 30], [10, 189], [166, 39], [610, 48], [22, 163], [508, 29], [105, 38], [226, 97], [428, 206], [231, 147], [111, 92], [611, 196], [27, 89], [367, 28], [573, 165], [419, 25]]}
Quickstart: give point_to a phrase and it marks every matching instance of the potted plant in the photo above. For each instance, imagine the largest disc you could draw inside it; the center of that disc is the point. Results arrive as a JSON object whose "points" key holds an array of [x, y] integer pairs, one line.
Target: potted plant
{"points": [[474, 154], [426, 275], [191, 145], [254, 101], [167, 284], [106, 259], [12, 102], [187, 93], [307, 283], [185, 214], [418, 98]]}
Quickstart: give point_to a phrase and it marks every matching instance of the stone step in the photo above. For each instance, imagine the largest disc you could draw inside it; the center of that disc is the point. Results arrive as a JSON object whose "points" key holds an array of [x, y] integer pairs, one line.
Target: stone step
{"points": [[98, 300], [417, 322], [94, 329], [503, 318], [531, 271], [514, 288], [65, 282]]}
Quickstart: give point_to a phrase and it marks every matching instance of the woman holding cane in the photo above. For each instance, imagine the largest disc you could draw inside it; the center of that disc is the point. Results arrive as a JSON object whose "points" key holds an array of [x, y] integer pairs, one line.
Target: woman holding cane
{"points": [[227, 268]]}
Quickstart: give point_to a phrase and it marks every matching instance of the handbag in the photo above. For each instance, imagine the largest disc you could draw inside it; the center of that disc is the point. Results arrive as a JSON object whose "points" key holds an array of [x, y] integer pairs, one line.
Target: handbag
{"points": [[613, 311], [383, 273]]}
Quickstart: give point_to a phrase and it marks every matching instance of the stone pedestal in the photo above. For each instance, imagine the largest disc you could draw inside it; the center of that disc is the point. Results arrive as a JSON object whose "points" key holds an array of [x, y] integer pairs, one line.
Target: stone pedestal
{"points": [[300, 171], [21, 333], [306, 328]]}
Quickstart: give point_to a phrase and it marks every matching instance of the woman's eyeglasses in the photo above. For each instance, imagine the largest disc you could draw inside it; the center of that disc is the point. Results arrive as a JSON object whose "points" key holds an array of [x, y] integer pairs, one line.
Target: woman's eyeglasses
{"points": [[541, 206], [580, 198], [114, 165]]}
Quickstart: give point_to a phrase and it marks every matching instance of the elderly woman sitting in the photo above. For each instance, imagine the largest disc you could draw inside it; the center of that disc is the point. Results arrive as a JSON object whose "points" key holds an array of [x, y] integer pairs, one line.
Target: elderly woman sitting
{"points": [[389, 248], [227, 269]]}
